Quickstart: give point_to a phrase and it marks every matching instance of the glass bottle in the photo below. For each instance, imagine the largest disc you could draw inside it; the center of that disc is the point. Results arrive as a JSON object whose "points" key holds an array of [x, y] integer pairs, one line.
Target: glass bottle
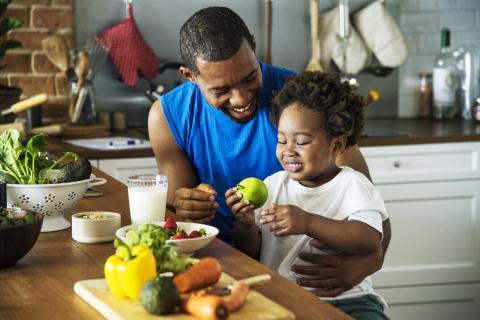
{"points": [[425, 95], [444, 81]]}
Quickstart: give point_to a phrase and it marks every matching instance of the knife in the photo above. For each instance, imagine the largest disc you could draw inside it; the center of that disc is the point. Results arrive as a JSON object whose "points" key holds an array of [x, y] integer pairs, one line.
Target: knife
{"points": [[26, 104], [251, 281]]}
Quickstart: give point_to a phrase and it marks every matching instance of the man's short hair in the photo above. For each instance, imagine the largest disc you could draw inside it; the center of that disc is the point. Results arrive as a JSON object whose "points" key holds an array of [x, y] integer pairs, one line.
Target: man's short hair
{"points": [[212, 34]]}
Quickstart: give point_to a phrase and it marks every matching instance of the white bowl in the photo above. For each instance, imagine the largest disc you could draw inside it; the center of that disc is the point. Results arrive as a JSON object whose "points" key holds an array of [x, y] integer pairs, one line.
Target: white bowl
{"points": [[181, 246], [51, 200], [95, 230]]}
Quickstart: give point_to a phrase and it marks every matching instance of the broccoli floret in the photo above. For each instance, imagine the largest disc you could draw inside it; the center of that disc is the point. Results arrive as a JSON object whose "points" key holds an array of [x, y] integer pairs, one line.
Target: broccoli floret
{"points": [[155, 237]]}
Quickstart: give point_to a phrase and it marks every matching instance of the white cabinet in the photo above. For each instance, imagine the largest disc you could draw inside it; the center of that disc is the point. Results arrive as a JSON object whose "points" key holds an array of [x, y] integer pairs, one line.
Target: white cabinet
{"points": [[432, 193], [121, 169]]}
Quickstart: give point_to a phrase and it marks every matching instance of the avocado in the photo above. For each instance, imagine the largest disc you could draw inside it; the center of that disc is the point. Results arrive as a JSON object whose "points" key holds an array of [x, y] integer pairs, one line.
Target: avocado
{"points": [[74, 171], [160, 295]]}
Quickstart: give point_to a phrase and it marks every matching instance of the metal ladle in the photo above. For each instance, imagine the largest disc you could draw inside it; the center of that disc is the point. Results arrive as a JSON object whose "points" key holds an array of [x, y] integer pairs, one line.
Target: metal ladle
{"points": [[344, 29]]}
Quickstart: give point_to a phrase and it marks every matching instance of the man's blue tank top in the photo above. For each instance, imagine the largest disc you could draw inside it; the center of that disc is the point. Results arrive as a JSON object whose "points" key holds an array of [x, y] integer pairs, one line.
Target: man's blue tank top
{"points": [[222, 151]]}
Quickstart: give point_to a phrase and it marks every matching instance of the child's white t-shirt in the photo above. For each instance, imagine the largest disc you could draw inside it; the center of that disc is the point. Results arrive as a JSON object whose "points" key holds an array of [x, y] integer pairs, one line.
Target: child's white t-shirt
{"points": [[350, 195]]}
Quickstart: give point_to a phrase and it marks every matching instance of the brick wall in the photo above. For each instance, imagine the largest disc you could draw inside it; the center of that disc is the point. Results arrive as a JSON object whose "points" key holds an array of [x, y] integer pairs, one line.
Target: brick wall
{"points": [[28, 67], [421, 22]]}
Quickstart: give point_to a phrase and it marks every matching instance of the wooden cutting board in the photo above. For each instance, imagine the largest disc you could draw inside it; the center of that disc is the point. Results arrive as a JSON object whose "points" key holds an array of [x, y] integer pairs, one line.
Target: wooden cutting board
{"points": [[96, 293]]}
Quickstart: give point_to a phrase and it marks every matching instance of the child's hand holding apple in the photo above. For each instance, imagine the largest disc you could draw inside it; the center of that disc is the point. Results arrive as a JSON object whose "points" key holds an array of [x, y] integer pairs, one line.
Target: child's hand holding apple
{"points": [[242, 210], [249, 194]]}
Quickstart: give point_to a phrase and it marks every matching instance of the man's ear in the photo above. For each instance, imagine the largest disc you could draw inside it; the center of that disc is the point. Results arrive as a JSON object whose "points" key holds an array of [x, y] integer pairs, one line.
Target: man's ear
{"points": [[339, 143], [187, 74]]}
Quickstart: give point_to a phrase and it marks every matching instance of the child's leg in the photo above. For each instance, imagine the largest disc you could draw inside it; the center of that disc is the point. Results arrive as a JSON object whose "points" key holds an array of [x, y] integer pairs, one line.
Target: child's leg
{"points": [[362, 308]]}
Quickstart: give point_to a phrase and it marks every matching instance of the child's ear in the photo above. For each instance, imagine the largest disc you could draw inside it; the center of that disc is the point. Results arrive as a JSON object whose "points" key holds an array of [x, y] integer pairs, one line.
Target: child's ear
{"points": [[187, 74], [339, 143]]}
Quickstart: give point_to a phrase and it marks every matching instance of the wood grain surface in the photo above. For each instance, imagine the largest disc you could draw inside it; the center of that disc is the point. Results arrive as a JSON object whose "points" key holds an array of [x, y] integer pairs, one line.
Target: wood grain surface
{"points": [[40, 285]]}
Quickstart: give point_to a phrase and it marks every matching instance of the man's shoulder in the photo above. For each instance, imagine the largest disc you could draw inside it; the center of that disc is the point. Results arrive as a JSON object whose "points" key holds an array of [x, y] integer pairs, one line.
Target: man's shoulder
{"points": [[276, 76], [180, 93], [277, 70]]}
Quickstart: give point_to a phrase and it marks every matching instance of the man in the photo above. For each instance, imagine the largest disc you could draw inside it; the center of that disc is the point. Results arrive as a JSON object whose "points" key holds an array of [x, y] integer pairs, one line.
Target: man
{"points": [[214, 130]]}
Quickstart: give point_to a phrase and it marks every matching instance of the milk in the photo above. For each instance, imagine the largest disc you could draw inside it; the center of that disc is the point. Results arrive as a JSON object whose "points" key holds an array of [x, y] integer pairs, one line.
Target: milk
{"points": [[147, 204]]}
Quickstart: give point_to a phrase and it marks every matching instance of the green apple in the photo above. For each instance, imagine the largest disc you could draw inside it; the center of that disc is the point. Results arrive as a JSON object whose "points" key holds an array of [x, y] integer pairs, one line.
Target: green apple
{"points": [[253, 190]]}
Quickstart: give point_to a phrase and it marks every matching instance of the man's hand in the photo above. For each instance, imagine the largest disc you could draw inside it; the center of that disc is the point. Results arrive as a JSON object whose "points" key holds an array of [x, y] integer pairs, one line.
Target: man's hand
{"points": [[242, 210], [197, 204], [285, 219], [337, 272]]}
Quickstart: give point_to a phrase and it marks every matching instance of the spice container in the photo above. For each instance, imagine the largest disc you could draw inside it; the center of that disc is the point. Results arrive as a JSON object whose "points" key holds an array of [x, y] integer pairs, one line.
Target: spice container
{"points": [[425, 95], [476, 110]]}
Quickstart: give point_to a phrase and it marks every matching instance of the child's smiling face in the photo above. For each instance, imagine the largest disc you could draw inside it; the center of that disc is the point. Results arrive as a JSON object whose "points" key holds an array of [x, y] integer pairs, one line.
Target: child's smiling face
{"points": [[304, 149]]}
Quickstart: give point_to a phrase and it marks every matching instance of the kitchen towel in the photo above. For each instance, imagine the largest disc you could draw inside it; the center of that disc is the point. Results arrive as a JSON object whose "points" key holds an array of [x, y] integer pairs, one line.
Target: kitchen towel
{"points": [[381, 34], [331, 45], [129, 51]]}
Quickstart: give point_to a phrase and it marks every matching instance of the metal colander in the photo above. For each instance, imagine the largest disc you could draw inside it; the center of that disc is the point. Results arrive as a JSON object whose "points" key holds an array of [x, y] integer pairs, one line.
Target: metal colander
{"points": [[51, 200]]}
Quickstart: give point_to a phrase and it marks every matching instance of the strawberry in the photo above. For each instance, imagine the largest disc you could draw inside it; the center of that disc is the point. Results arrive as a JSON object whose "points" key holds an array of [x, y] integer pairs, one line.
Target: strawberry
{"points": [[179, 236], [194, 234], [170, 224]]}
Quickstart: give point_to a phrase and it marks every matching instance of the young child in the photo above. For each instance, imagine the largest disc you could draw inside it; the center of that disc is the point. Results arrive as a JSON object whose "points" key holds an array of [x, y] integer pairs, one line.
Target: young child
{"points": [[318, 116]]}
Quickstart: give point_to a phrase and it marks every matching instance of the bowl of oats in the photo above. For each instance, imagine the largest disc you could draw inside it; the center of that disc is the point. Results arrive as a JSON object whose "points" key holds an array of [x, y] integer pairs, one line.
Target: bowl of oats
{"points": [[95, 226]]}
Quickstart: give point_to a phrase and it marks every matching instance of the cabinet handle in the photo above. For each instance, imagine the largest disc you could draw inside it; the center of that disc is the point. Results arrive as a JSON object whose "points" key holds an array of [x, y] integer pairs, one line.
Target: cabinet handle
{"points": [[396, 164]]}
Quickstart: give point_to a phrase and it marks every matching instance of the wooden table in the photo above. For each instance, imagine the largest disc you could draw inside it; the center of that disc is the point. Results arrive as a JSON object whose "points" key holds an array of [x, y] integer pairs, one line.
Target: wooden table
{"points": [[40, 286]]}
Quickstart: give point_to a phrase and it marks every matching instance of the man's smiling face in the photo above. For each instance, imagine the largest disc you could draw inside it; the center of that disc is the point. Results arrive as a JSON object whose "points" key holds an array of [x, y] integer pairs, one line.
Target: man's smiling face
{"points": [[232, 85]]}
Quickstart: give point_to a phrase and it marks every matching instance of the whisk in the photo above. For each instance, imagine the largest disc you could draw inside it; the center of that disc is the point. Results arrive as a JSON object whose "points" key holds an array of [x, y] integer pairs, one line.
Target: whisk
{"points": [[98, 53]]}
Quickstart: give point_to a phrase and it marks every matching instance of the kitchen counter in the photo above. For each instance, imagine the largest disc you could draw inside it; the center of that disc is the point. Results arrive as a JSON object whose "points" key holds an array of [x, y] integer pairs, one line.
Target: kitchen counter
{"points": [[417, 131], [40, 286], [379, 132]]}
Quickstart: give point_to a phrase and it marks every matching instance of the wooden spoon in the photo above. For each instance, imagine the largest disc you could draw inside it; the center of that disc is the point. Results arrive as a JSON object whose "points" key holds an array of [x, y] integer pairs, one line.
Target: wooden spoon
{"points": [[82, 71], [314, 63], [56, 50]]}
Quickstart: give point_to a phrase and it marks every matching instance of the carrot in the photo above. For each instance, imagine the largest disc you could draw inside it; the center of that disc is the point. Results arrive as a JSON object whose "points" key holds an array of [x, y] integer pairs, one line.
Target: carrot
{"points": [[237, 297], [204, 273], [207, 307]]}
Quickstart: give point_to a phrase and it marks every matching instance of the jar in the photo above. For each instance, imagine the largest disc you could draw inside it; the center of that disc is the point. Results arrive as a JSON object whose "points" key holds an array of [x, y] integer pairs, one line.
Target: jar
{"points": [[476, 110], [425, 95]]}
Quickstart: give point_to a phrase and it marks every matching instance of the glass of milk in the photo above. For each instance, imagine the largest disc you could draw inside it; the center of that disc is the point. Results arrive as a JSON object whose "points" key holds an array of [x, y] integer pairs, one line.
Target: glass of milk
{"points": [[147, 197]]}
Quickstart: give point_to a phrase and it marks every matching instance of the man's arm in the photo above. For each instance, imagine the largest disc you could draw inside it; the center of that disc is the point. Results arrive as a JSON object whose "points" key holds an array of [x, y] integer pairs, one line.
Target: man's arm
{"points": [[353, 158], [171, 161], [387, 235]]}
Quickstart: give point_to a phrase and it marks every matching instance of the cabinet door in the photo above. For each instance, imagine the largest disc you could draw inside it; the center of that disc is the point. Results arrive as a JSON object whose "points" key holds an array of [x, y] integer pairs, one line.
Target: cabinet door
{"points": [[121, 169], [442, 302], [423, 162], [435, 233]]}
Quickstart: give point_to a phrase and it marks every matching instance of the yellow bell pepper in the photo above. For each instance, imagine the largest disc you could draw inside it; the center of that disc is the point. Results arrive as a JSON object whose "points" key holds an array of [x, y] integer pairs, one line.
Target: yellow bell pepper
{"points": [[129, 269]]}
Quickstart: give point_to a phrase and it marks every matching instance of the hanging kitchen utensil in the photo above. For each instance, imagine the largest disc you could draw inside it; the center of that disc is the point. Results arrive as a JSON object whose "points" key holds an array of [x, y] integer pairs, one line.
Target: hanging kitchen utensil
{"points": [[268, 55], [314, 63], [129, 51], [344, 31]]}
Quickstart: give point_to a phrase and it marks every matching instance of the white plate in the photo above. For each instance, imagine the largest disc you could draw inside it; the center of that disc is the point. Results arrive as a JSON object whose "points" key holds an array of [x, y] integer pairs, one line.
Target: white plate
{"points": [[184, 245]]}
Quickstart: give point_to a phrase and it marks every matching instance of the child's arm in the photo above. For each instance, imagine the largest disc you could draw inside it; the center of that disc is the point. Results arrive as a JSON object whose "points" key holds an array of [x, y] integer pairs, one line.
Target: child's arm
{"points": [[348, 236], [246, 235]]}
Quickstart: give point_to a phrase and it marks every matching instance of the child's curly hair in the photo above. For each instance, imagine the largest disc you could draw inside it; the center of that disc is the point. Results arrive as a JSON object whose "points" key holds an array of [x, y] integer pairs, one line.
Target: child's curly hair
{"points": [[340, 109]]}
